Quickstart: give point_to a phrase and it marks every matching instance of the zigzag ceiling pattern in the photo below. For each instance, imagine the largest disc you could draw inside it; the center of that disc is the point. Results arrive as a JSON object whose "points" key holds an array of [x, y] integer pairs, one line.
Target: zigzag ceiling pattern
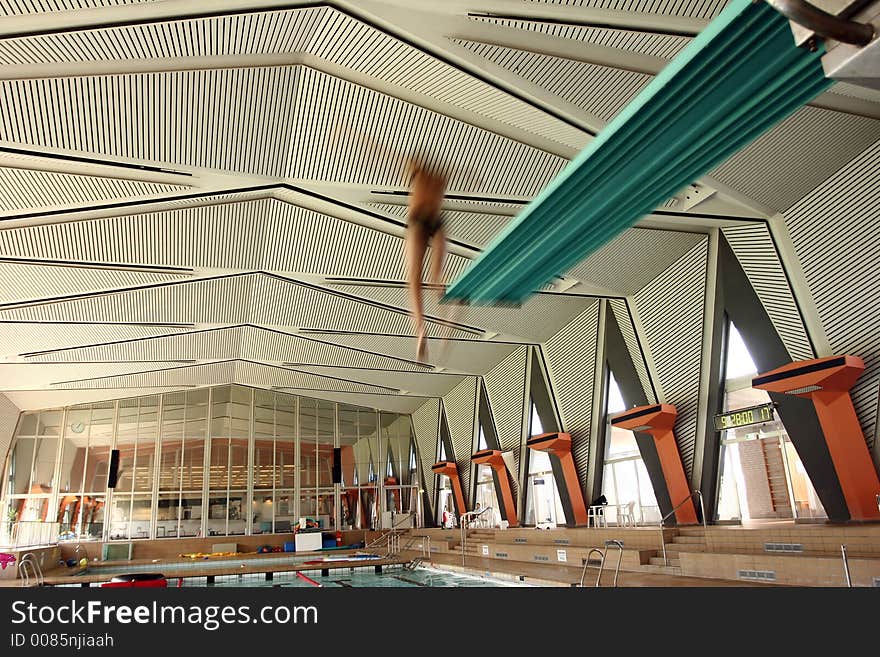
{"points": [[183, 202]]}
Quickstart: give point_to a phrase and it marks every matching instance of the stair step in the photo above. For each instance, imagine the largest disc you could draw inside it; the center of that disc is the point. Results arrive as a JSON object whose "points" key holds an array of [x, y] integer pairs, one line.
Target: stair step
{"points": [[661, 570], [658, 561], [691, 531], [688, 540]]}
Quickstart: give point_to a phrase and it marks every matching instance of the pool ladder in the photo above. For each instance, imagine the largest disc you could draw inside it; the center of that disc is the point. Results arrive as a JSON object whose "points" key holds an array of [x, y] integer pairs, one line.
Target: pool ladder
{"points": [[28, 567], [601, 561]]}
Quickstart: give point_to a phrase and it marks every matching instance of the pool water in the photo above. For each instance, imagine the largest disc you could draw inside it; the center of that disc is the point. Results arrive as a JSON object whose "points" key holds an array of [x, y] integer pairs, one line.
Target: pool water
{"points": [[392, 577]]}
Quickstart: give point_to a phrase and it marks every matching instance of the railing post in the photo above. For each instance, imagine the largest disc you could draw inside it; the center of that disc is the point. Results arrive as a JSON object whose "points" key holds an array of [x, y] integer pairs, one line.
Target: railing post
{"points": [[845, 566]]}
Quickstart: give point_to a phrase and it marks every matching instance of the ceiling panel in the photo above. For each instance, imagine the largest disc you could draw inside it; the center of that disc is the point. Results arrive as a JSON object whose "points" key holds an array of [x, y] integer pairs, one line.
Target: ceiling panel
{"points": [[25, 337], [665, 46], [534, 321], [464, 356], [34, 281], [475, 160], [430, 384], [246, 342], [322, 32], [685, 8], [28, 189], [204, 118], [654, 250], [254, 298], [600, 90], [783, 165], [17, 7], [270, 235]]}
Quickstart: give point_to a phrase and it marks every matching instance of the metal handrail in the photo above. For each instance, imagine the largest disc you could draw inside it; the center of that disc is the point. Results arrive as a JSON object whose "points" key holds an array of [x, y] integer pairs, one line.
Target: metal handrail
{"points": [[824, 24], [601, 553], [674, 509], [845, 566], [619, 545], [30, 560], [463, 523]]}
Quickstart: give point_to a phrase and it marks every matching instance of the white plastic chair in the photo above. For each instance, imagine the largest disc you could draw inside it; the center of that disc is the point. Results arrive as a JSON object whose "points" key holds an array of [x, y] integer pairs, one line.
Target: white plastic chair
{"points": [[626, 516]]}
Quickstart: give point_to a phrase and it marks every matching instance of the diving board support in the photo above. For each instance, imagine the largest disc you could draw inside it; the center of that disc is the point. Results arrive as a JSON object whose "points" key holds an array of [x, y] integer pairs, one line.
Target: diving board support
{"points": [[658, 420], [494, 459], [558, 447], [450, 469], [827, 382]]}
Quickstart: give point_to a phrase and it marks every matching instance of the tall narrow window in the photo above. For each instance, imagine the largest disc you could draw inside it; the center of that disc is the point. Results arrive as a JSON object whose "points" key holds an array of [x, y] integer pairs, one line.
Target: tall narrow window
{"points": [[762, 476], [625, 480], [543, 504]]}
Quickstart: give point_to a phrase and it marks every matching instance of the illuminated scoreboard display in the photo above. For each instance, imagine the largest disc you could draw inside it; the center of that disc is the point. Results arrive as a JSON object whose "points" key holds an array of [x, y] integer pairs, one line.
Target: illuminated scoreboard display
{"points": [[743, 417]]}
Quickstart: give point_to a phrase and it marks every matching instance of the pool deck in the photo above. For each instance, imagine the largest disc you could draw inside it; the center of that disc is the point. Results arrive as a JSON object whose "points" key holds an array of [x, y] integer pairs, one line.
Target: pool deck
{"points": [[567, 576], [246, 563]]}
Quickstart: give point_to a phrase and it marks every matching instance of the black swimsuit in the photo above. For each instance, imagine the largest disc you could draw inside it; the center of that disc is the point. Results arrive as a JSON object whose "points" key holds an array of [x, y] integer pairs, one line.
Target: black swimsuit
{"points": [[430, 223]]}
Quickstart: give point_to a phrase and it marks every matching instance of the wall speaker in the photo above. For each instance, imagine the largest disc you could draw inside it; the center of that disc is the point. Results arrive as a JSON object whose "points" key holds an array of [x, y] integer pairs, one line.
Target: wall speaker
{"points": [[113, 474], [337, 465]]}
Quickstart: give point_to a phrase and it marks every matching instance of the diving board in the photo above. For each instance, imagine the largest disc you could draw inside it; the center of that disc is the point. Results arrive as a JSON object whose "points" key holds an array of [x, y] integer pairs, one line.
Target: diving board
{"points": [[738, 78]]}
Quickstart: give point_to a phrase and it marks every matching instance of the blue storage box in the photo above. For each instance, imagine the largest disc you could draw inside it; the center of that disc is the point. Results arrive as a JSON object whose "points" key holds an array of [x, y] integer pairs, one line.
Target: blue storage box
{"points": [[290, 546]]}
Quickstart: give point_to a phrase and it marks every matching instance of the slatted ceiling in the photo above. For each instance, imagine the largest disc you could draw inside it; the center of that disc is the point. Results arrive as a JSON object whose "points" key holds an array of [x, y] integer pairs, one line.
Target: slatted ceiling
{"points": [[253, 298], [479, 161], [671, 311], [205, 118], [600, 90], [377, 54], [684, 8], [425, 423], [320, 31], [271, 235], [29, 282], [756, 252], [390, 403], [783, 165], [535, 320], [281, 303], [19, 7], [612, 266], [466, 356], [260, 375], [218, 300], [428, 385], [29, 376], [9, 413], [855, 91], [22, 189], [628, 332], [506, 390], [571, 363], [222, 344], [245, 342], [836, 234], [459, 404], [476, 228], [17, 338], [665, 46]]}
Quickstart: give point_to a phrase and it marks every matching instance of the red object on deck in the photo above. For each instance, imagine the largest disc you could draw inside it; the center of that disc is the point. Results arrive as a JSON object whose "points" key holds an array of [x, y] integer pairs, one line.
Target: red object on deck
{"points": [[309, 580], [338, 538]]}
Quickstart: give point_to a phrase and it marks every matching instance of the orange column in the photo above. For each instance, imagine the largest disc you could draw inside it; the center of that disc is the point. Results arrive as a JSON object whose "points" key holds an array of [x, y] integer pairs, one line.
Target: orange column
{"points": [[849, 452], [827, 382], [494, 459], [559, 444], [658, 420], [450, 469]]}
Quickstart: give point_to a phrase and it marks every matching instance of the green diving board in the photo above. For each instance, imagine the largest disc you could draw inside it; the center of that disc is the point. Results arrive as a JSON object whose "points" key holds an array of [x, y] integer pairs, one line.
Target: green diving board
{"points": [[738, 78]]}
